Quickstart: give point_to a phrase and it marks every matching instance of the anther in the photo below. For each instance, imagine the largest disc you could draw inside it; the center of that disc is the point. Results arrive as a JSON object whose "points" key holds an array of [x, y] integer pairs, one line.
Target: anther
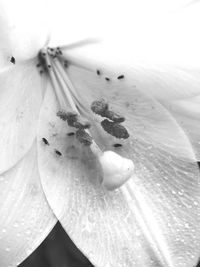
{"points": [[115, 129], [107, 79], [45, 141], [83, 137], [12, 60], [120, 77], [99, 107], [114, 116], [74, 120]]}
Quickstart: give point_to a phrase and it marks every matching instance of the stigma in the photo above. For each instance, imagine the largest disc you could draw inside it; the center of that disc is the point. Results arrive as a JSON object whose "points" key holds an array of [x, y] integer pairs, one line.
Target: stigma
{"points": [[81, 117]]}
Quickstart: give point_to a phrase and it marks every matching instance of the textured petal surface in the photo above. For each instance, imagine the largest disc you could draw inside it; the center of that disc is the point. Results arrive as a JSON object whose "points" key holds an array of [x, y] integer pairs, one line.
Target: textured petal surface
{"points": [[26, 219], [21, 94], [187, 113], [155, 224], [162, 81], [146, 119]]}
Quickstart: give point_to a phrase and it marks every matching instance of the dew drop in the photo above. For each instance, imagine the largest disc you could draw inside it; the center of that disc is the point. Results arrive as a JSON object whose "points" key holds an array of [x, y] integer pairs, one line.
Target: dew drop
{"points": [[4, 230], [16, 225], [7, 249], [28, 232]]}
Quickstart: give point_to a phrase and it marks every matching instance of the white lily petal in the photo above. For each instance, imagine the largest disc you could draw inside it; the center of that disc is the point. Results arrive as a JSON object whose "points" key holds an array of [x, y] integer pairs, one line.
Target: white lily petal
{"points": [[26, 218], [146, 119], [162, 81], [156, 225], [23, 28], [187, 113], [21, 94]]}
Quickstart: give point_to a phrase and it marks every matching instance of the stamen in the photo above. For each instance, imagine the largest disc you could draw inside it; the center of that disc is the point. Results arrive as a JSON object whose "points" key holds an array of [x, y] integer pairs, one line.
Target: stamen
{"points": [[115, 129], [116, 169], [74, 120], [101, 108], [114, 116], [83, 137]]}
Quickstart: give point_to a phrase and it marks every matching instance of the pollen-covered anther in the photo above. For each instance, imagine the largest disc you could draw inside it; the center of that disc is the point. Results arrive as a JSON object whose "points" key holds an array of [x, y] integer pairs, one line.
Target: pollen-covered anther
{"points": [[115, 129], [83, 137], [117, 170], [74, 120], [101, 107], [114, 116]]}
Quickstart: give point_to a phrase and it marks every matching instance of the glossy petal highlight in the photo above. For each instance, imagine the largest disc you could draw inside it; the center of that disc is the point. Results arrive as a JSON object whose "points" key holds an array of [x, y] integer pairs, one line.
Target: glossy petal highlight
{"points": [[26, 218]]}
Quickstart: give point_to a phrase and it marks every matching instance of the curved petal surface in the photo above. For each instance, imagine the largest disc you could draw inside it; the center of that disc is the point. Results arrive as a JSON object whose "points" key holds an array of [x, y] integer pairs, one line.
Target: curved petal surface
{"points": [[162, 81], [26, 218], [22, 34], [146, 119], [187, 113], [155, 225], [21, 94]]}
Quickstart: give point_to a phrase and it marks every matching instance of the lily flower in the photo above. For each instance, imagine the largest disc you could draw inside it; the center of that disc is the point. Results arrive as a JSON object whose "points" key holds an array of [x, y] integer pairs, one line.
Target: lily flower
{"points": [[104, 149]]}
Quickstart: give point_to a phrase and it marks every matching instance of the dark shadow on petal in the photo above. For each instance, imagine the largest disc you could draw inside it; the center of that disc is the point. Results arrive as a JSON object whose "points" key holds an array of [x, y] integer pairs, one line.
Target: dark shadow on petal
{"points": [[56, 250]]}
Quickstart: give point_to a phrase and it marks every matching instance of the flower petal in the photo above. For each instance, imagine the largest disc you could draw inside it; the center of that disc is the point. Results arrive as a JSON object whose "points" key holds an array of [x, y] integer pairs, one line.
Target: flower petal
{"points": [[156, 225], [21, 94], [22, 34], [162, 81], [26, 219], [146, 119], [187, 113]]}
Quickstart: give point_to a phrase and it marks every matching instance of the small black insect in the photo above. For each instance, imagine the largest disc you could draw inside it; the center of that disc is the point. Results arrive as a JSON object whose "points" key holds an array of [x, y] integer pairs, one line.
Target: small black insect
{"points": [[45, 141], [58, 152], [98, 72], [120, 77], [12, 60], [71, 134], [107, 79], [117, 145]]}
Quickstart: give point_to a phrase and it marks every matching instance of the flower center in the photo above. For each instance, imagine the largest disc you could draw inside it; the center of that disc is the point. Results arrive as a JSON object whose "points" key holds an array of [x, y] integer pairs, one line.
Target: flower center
{"points": [[116, 169]]}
